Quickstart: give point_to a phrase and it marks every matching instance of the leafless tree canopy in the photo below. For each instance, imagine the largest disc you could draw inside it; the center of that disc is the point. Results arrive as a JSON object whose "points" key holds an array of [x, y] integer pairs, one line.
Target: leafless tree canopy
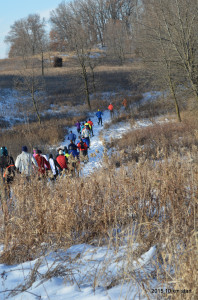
{"points": [[168, 40], [162, 32], [27, 36]]}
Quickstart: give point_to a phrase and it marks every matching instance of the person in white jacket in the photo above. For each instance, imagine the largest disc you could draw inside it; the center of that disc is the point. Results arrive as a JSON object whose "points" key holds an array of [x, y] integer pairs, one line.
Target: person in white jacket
{"points": [[55, 167], [24, 162]]}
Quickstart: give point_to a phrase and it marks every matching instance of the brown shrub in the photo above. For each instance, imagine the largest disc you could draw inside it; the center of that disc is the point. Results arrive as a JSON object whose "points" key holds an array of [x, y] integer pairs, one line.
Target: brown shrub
{"points": [[157, 141]]}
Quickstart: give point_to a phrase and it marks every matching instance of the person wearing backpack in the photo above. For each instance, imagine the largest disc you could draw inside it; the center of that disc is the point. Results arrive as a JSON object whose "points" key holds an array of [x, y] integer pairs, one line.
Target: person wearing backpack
{"points": [[7, 165], [82, 146]]}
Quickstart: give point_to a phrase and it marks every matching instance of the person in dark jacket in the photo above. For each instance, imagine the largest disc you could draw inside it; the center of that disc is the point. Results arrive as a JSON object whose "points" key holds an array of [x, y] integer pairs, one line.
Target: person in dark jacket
{"points": [[99, 116], [78, 125], [72, 149], [7, 166], [72, 136]]}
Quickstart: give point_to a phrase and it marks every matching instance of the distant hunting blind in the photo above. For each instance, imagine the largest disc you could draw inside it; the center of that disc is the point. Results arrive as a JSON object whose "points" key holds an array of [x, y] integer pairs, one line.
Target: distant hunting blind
{"points": [[58, 62]]}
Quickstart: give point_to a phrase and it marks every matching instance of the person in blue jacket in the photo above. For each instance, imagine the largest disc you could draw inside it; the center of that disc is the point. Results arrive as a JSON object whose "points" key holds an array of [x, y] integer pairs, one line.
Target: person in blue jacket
{"points": [[71, 137], [72, 149], [99, 116]]}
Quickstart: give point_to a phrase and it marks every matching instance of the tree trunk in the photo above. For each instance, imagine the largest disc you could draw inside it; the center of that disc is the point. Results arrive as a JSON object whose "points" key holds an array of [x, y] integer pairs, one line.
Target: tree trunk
{"points": [[35, 105], [42, 62], [84, 73], [93, 79], [175, 100]]}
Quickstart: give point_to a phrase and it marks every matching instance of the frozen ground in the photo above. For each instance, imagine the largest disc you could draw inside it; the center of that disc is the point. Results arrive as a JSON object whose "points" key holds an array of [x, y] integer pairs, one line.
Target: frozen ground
{"points": [[9, 111], [82, 272]]}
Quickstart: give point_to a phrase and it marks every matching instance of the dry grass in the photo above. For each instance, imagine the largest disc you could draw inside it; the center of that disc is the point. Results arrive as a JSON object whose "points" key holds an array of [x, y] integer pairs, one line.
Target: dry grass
{"points": [[48, 133], [159, 198], [157, 141], [70, 64]]}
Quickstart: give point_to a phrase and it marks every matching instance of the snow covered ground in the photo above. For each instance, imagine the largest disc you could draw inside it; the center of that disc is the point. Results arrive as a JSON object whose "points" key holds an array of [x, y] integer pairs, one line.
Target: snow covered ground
{"points": [[82, 272], [9, 111], [96, 150]]}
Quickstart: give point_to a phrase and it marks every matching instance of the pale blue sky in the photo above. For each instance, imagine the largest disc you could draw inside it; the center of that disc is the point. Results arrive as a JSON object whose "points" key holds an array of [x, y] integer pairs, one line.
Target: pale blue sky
{"points": [[13, 10]]}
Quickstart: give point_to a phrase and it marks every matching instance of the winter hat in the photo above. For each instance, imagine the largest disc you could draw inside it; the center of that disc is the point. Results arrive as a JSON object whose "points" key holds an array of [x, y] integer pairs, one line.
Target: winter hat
{"points": [[4, 151], [24, 148], [60, 152]]}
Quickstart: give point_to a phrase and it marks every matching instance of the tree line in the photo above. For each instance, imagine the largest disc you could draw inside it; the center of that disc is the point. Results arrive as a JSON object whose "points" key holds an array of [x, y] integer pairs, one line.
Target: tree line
{"points": [[162, 33]]}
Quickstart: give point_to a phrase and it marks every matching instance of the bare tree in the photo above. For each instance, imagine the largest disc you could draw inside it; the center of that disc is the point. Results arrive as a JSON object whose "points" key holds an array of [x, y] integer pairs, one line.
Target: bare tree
{"points": [[171, 26], [67, 21], [32, 87], [27, 37], [117, 40], [167, 40]]}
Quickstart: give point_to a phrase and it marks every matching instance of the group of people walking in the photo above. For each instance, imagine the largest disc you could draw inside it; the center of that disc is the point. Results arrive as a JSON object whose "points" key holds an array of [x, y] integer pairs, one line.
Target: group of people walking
{"points": [[67, 158], [37, 163]]}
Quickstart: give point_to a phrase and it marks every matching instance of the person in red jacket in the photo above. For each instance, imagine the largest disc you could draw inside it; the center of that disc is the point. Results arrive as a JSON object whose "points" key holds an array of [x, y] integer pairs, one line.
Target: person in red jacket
{"points": [[42, 162], [110, 108], [82, 146], [61, 160]]}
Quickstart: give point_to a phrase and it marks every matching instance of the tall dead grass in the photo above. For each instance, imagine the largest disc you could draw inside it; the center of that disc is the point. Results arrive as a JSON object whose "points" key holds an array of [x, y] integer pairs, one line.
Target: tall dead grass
{"points": [[157, 141], [160, 198], [155, 199]]}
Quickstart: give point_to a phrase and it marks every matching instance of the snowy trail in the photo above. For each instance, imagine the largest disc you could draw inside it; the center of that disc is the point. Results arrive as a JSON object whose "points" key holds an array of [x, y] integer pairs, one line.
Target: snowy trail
{"points": [[96, 148]]}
